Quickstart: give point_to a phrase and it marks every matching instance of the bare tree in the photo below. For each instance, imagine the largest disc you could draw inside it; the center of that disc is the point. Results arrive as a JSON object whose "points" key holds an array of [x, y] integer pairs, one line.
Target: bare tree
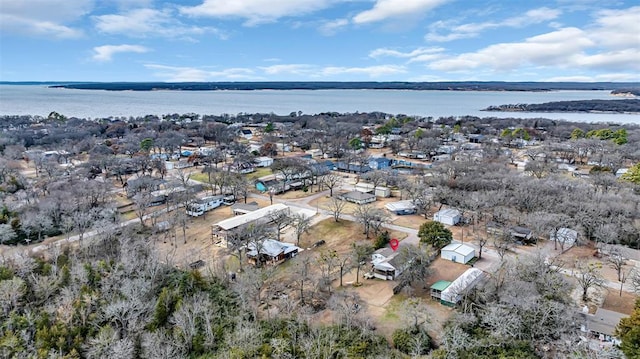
{"points": [[238, 239], [301, 224], [588, 276], [327, 262], [617, 260], [281, 219], [416, 312], [482, 241], [336, 206], [502, 243], [360, 253], [635, 279], [371, 218], [331, 181], [303, 276]]}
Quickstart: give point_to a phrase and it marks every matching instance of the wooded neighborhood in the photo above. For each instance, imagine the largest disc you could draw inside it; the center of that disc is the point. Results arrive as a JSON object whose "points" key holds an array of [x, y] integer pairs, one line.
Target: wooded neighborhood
{"points": [[263, 235]]}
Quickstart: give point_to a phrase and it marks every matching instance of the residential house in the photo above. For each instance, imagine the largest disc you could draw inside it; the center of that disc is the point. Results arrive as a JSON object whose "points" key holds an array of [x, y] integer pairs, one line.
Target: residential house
{"points": [[246, 133], [458, 252], [270, 251], [262, 216], [351, 167], [380, 163], [602, 325], [201, 205], [452, 294], [386, 264]]}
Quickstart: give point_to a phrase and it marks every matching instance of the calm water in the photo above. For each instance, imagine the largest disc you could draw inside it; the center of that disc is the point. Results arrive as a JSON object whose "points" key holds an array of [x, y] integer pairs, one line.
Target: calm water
{"points": [[40, 100]]}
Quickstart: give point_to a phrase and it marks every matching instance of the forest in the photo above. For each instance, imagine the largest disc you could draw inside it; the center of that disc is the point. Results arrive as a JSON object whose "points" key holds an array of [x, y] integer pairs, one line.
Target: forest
{"points": [[418, 86], [604, 106], [115, 294]]}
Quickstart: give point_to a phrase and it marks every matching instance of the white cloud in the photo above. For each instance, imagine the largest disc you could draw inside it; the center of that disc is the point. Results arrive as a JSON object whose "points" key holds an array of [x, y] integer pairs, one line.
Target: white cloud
{"points": [[332, 27], [48, 18], [385, 9], [193, 74], [315, 71], [470, 30], [421, 54], [256, 11], [106, 52], [617, 29], [610, 44], [149, 22], [290, 69], [371, 71], [553, 48]]}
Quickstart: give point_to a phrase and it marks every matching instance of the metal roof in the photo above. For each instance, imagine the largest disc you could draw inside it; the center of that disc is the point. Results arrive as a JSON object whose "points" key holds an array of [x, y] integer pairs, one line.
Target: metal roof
{"points": [[238, 221], [459, 248], [441, 285]]}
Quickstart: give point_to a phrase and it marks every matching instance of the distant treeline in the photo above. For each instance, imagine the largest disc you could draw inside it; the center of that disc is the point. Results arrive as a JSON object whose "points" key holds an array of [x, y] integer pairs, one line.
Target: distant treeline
{"points": [[451, 86], [627, 91], [617, 106]]}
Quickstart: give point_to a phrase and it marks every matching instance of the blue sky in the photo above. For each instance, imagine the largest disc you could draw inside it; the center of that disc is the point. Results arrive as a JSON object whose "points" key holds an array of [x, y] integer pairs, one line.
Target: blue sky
{"points": [[319, 40]]}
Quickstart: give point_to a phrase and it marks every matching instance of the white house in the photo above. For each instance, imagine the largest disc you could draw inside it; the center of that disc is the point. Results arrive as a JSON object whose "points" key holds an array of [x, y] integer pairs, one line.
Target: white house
{"points": [[453, 293], [263, 161], [201, 205], [458, 252], [385, 264], [448, 216]]}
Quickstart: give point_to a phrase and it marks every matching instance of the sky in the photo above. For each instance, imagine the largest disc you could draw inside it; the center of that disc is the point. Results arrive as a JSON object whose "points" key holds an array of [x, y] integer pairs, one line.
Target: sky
{"points": [[319, 40]]}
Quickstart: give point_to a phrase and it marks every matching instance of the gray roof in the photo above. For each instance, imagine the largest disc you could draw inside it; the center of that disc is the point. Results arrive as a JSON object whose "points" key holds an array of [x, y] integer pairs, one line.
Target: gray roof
{"points": [[357, 195], [604, 321]]}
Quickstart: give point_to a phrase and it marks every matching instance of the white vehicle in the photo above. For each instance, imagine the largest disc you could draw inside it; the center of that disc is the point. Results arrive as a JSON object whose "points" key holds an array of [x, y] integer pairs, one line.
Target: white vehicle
{"points": [[201, 205]]}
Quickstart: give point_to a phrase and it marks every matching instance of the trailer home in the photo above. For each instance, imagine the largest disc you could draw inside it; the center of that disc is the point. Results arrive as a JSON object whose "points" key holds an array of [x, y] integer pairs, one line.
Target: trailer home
{"points": [[201, 205]]}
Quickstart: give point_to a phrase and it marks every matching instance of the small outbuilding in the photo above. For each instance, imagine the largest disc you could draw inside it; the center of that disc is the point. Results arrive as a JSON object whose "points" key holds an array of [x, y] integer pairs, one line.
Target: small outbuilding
{"points": [[357, 197], [448, 216], [458, 252], [401, 207], [263, 161]]}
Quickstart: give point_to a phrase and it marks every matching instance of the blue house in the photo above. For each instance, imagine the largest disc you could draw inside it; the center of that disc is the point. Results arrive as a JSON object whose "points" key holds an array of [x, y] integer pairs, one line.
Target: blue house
{"points": [[380, 163], [351, 168]]}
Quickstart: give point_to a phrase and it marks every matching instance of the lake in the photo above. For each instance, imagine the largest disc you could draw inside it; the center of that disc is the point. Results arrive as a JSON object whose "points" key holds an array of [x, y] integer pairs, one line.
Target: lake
{"points": [[41, 100]]}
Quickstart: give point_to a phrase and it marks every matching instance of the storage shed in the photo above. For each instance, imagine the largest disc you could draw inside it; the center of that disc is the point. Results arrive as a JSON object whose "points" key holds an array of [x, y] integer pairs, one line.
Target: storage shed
{"points": [[401, 207], [458, 252], [357, 197], [263, 161], [448, 216]]}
